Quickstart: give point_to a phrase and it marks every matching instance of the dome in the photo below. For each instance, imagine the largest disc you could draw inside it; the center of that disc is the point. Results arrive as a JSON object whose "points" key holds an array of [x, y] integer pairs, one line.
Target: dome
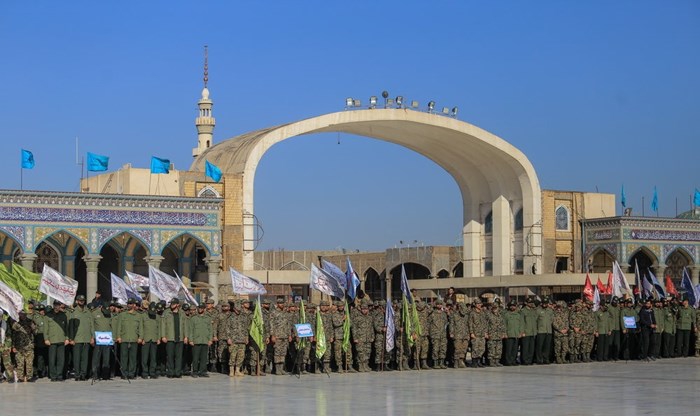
{"points": [[693, 214], [205, 93]]}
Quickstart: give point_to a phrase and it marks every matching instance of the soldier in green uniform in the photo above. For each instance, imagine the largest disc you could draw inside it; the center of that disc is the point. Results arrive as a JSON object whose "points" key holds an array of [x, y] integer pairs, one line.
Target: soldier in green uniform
{"points": [[213, 313], [515, 329], [497, 333], [478, 332], [657, 335], [363, 336], [173, 333], [529, 315], [615, 328], [101, 322], [543, 339], [56, 338], [201, 334], [629, 335], [561, 325], [459, 333], [697, 333], [669, 335], [150, 341], [238, 332], [129, 334], [23, 343], [81, 336], [41, 353], [602, 331], [685, 324]]}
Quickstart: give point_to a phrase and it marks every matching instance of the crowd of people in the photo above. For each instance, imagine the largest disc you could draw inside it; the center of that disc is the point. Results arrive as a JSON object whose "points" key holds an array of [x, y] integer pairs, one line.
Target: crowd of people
{"points": [[159, 339]]}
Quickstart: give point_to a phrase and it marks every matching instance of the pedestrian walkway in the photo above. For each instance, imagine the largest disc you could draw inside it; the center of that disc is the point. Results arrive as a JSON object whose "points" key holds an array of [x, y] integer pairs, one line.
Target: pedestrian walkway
{"points": [[633, 388]]}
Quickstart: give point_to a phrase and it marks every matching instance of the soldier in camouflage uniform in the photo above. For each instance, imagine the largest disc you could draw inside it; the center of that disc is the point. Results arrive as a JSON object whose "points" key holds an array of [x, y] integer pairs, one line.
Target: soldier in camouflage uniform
{"points": [[221, 336], [379, 327], [459, 333], [497, 333], [306, 352], [280, 336], [363, 335], [587, 328], [437, 332], [238, 332], [560, 324], [576, 322], [327, 329], [23, 342], [478, 332], [6, 347], [337, 322], [422, 342]]}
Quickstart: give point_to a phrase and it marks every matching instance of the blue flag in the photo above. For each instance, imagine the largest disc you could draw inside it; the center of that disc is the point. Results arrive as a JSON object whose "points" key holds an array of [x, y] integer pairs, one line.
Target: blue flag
{"points": [[404, 285], [623, 197], [657, 285], [352, 282], [159, 165], [655, 201], [696, 198], [212, 171], [689, 288], [27, 159], [97, 163]]}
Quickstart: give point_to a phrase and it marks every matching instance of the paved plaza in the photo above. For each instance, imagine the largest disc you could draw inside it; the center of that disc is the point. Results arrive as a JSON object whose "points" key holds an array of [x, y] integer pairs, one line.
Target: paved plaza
{"points": [[668, 387]]}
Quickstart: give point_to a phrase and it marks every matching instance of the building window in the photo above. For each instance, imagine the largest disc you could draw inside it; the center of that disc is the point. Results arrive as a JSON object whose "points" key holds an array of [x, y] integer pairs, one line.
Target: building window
{"points": [[519, 220], [488, 223], [562, 218], [519, 266], [488, 265], [562, 265]]}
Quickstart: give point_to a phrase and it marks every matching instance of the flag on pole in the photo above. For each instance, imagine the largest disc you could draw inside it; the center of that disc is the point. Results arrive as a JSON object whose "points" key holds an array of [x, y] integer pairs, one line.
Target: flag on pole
{"points": [[162, 285], [620, 285], [689, 289], [322, 281], [655, 201], [302, 320], [337, 274], [657, 285], [406, 321], [670, 287], [244, 285], [404, 285], [11, 301], [648, 289], [596, 300], [696, 198], [623, 197], [390, 327], [122, 291], [212, 171], [637, 282], [256, 327], [58, 286], [346, 328], [159, 165], [320, 336], [600, 286], [137, 279], [27, 159], [352, 282], [27, 284], [588, 288], [97, 163], [609, 285], [185, 291]]}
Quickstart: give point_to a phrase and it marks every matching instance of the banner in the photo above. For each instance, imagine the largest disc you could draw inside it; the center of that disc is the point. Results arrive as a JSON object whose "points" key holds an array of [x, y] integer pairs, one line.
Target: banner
{"points": [[97, 163], [322, 281], [162, 285], [10, 301], [212, 171], [137, 279], [620, 285], [320, 336], [186, 294], [244, 285], [122, 291], [337, 274], [404, 285], [390, 327], [58, 286], [256, 327], [351, 280], [27, 282], [588, 288]]}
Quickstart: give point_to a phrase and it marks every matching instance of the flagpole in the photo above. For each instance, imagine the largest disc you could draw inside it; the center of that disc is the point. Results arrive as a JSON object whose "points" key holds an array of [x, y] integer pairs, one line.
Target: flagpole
{"points": [[21, 178]]}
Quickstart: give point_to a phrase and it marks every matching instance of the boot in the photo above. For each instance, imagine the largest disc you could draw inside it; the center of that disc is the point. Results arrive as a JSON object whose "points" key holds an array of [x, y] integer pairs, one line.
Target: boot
{"points": [[232, 372], [424, 365], [279, 369], [697, 352], [268, 368], [441, 364], [404, 364]]}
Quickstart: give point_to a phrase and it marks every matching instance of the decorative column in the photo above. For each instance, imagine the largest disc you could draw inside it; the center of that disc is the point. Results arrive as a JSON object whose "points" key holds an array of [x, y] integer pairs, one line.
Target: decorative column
{"points": [[214, 265], [387, 286], [502, 258], [27, 260], [92, 262], [471, 253], [660, 270], [694, 270], [128, 263]]}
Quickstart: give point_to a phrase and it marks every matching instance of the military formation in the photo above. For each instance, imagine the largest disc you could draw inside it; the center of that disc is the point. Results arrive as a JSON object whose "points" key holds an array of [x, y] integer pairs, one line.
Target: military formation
{"points": [[174, 339]]}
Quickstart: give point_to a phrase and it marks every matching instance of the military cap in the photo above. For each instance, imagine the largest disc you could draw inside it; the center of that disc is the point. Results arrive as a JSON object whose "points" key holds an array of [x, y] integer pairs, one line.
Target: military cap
{"points": [[186, 307], [439, 302], [476, 301], [201, 306], [325, 303], [449, 302], [512, 303], [175, 301], [223, 302], [339, 303], [561, 303], [210, 301], [131, 301], [545, 299], [38, 307], [152, 306], [245, 301], [279, 301], [80, 297], [381, 303], [365, 303], [310, 305], [56, 302], [266, 301], [160, 306]]}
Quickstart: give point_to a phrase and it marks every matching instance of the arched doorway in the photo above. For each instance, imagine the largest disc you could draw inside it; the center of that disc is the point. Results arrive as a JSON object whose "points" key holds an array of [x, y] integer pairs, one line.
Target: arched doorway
{"points": [[414, 271], [601, 262], [374, 287], [645, 260], [675, 263]]}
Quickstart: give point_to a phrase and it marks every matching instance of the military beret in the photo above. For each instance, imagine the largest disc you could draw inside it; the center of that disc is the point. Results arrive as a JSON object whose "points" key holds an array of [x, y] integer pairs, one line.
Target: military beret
{"points": [[186, 307], [175, 301], [80, 297], [325, 303]]}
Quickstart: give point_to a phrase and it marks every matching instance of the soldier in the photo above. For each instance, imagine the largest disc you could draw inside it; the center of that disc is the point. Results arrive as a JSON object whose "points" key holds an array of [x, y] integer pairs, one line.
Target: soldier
{"points": [[150, 342], [173, 333], [459, 333], [338, 324], [221, 336], [129, 333], [668, 337], [189, 311], [588, 328], [6, 347], [647, 322], [422, 341], [379, 327], [560, 324], [697, 334], [685, 324], [326, 318], [478, 332], [543, 339], [515, 329], [602, 331], [261, 356], [529, 315], [615, 328], [437, 332], [56, 338], [23, 343], [659, 330], [628, 334], [201, 334], [101, 322], [280, 336], [238, 332], [308, 356], [81, 337], [497, 334], [363, 336], [40, 351], [213, 348]]}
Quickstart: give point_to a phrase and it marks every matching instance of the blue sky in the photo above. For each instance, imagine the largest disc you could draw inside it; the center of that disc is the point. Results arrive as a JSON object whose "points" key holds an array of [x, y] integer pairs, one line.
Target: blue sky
{"points": [[595, 93]]}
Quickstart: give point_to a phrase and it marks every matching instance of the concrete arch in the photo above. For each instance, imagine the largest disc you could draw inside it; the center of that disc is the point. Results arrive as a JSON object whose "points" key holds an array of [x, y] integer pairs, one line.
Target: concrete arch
{"points": [[10, 244], [647, 252], [130, 246], [683, 252], [71, 245], [189, 235], [486, 168]]}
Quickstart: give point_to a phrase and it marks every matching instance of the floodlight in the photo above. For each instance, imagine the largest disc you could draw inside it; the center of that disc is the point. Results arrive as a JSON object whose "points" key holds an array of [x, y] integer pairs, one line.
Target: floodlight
{"points": [[399, 101], [357, 103], [445, 110], [414, 104], [349, 102], [454, 112], [385, 94], [431, 106], [372, 101]]}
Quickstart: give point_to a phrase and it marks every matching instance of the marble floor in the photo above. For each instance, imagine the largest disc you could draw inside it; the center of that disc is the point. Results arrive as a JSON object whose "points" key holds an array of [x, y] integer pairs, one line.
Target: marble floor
{"points": [[669, 387]]}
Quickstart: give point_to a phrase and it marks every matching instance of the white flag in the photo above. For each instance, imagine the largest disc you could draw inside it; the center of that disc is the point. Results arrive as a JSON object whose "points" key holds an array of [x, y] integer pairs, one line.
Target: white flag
{"points": [[322, 281], [337, 274], [186, 292], [58, 286], [162, 285], [244, 285], [122, 291], [390, 327], [620, 285], [596, 299], [11, 301], [137, 279]]}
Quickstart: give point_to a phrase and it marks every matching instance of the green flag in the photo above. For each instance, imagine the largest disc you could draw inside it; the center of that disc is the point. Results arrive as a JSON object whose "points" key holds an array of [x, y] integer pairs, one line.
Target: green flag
{"points": [[256, 327], [302, 320], [415, 320], [406, 318], [27, 282], [320, 336], [346, 328]]}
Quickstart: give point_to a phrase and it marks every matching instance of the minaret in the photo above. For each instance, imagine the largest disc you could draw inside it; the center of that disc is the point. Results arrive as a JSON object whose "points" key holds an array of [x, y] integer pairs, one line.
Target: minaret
{"points": [[205, 122]]}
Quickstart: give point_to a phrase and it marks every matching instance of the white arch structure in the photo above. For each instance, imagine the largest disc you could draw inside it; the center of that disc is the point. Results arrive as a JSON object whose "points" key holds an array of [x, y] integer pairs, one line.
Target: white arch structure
{"points": [[489, 171]]}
